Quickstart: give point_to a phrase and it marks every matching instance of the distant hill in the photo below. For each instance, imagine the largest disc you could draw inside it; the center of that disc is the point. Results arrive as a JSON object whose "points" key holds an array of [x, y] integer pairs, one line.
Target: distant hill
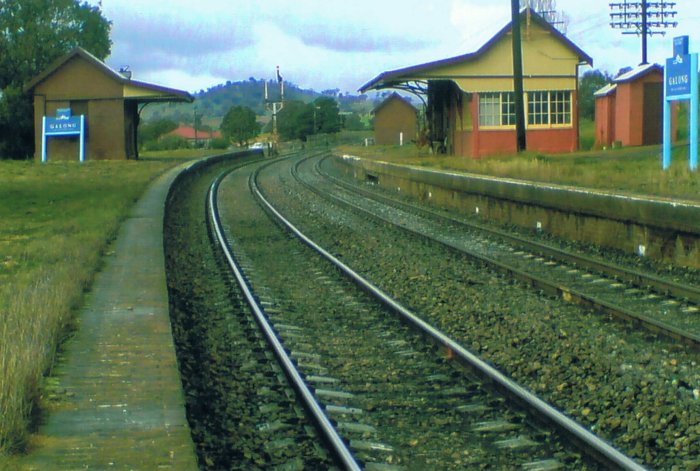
{"points": [[213, 103]]}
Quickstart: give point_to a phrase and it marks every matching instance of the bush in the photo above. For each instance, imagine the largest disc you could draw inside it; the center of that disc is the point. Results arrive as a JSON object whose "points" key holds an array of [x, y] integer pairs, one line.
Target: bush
{"points": [[218, 143], [167, 143]]}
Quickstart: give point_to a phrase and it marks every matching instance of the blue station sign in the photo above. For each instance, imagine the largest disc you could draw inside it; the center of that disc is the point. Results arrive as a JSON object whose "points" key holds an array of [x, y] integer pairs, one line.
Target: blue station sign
{"points": [[63, 124], [68, 126], [681, 83], [678, 76]]}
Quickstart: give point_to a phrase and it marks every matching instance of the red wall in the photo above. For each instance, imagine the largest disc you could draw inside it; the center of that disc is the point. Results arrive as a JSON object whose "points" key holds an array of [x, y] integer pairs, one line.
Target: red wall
{"points": [[482, 143], [550, 141], [605, 121]]}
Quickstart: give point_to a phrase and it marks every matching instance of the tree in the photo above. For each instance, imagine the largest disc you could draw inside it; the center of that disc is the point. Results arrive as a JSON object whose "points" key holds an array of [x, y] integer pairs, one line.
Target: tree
{"points": [[239, 125], [152, 131], [353, 122], [34, 33], [591, 81], [296, 120], [327, 116]]}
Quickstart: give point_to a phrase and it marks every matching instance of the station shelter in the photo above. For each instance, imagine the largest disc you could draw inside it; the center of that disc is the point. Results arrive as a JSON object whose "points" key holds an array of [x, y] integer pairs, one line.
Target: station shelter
{"points": [[79, 84], [470, 108], [629, 111], [395, 121]]}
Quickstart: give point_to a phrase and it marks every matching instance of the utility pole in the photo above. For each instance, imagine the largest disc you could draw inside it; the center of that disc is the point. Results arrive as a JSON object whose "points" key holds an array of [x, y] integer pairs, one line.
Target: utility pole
{"points": [[194, 124], [518, 77], [275, 106], [643, 18]]}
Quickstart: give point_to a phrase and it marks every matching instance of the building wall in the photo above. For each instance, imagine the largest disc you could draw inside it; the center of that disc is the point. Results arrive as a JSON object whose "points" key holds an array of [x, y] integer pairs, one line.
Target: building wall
{"points": [[547, 65], [395, 117], [78, 85], [605, 121], [629, 110], [470, 141]]}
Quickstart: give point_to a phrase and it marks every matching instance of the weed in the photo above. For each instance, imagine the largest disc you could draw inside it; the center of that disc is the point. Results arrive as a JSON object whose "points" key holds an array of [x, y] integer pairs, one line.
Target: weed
{"points": [[57, 219]]}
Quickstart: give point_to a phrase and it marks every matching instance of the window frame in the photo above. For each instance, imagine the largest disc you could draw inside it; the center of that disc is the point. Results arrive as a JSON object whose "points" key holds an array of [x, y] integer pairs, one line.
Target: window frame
{"points": [[555, 112], [501, 110]]}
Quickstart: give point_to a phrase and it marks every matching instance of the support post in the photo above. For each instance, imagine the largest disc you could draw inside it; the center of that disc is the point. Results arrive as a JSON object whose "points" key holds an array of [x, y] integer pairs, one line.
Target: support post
{"points": [[666, 158], [43, 139], [693, 157], [645, 32], [518, 78], [82, 138]]}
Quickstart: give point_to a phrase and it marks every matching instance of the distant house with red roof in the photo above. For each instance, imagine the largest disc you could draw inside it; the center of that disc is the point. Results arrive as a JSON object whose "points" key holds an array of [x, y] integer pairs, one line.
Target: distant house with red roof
{"points": [[193, 136]]}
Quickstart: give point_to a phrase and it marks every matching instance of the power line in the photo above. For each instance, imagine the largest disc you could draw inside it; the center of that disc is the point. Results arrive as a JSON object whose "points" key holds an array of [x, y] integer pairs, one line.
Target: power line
{"points": [[643, 18]]}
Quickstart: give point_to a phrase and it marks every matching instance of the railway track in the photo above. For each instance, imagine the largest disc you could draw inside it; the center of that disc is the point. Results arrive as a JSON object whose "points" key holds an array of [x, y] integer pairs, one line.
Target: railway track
{"points": [[661, 305], [381, 396], [636, 389]]}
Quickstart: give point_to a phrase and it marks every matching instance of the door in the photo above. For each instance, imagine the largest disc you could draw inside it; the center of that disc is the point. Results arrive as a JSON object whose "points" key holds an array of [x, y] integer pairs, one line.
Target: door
{"points": [[653, 122]]}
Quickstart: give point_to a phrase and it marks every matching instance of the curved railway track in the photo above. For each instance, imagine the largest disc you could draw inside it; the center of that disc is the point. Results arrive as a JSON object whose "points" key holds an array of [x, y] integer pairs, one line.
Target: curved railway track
{"points": [[638, 390], [365, 377], [661, 305]]}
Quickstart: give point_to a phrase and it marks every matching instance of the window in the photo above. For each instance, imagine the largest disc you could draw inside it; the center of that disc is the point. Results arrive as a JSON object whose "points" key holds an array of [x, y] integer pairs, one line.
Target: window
{"points": [[508, 109], [538, 108], [561, 107], [497, 109], [549, 108], [544, 108]]}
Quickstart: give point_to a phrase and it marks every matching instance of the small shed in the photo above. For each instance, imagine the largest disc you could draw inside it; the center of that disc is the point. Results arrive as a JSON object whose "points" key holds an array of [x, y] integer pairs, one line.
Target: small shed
{"points": [[395, 121], [630, 110], [79, 84]]}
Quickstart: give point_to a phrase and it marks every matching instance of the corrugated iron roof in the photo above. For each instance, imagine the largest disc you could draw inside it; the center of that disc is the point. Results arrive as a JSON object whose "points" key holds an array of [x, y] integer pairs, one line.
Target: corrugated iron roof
{"points": [[609, 89], [387, 79], [639, 71]]}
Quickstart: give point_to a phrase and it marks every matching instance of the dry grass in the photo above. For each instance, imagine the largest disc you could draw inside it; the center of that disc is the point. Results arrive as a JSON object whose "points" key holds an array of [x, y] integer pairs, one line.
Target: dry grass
{"points": [[633, 170], [57, 220]]}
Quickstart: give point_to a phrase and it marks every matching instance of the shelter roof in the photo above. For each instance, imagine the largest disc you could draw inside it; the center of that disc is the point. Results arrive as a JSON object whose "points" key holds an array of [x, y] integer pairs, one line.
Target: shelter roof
{"points": [[133, 89], [638, 72], [609, 89], [392, 78]]}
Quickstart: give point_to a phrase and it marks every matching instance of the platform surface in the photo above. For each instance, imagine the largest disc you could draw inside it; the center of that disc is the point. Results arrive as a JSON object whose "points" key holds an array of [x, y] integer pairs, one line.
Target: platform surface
{"points": [[118, 401]]}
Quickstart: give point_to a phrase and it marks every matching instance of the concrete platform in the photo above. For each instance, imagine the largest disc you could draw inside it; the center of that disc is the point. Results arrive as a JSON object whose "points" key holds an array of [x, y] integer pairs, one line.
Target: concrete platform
{"points": [[119, 402]]}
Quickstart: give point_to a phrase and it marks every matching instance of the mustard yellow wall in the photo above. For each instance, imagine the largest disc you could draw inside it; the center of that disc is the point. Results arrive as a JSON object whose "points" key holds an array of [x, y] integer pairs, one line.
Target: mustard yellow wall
{"points": [[77, 79], [547, 65], [87, 90]]}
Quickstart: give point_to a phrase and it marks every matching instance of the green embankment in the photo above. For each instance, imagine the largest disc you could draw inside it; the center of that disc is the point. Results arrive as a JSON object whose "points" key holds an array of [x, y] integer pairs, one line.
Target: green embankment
{"points": [[56, 221]]}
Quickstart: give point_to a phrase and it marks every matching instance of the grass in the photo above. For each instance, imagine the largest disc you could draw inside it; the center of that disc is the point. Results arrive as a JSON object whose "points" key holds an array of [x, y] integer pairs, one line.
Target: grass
{"points": [[633, 170], [57, 220]]}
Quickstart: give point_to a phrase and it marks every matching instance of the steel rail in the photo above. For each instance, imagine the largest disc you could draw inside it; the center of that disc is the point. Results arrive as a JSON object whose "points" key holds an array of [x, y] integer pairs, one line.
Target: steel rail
{"points": [[551, 288], [330, 434], [591, 444], [652, 282]]}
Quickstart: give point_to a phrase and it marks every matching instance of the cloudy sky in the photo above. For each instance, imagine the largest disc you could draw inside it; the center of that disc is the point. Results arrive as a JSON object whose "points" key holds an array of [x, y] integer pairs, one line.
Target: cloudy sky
{"points": [[321, 44]]}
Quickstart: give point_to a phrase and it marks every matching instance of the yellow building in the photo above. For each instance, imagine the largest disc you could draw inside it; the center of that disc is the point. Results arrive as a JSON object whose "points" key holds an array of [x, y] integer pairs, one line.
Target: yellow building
{"points": [[78, 84], [470, 98]]}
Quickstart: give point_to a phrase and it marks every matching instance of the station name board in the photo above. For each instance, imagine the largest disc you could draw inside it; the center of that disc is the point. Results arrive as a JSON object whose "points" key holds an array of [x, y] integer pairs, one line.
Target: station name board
{"points": [[678, 76], [62, 126]]}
